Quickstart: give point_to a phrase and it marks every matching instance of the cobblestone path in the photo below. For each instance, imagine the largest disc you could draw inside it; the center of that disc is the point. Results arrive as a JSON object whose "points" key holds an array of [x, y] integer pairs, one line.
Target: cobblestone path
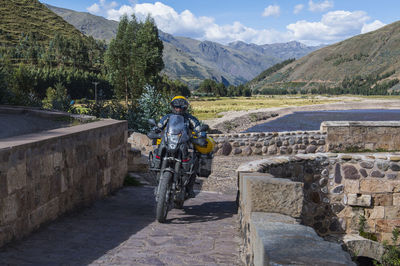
{"points": [[121, 230]]}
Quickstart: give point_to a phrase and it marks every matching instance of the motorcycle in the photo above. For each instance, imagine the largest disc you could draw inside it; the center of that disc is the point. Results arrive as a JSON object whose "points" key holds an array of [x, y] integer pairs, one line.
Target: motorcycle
{"points": [[176, 160]]}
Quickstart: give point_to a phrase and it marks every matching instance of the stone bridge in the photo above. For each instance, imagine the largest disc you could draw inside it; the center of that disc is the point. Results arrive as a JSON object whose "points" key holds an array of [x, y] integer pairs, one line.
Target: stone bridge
{"points": [[61, 200]]}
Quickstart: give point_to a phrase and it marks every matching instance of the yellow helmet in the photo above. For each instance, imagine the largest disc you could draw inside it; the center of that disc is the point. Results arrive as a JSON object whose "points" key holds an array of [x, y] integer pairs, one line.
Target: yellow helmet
{"points": [[179, 105]]}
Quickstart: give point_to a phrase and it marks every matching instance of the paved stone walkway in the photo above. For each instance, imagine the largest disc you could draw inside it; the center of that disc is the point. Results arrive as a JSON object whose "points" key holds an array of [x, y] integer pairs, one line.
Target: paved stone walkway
{"points": [[121, 230]]}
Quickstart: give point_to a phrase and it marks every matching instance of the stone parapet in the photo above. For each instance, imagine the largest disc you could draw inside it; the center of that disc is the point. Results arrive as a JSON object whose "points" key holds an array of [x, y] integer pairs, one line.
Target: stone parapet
{"points": [[362, 135], [276, 239], [44, 175], [269, 143], [341, 188]]}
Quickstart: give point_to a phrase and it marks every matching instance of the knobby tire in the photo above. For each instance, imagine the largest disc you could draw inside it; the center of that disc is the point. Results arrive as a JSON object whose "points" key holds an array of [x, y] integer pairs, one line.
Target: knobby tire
{"points": [[163, 199]]}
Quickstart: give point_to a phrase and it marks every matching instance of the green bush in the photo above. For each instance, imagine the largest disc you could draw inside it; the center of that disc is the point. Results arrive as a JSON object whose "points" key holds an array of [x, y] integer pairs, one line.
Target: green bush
{"points": [[58, 99]]}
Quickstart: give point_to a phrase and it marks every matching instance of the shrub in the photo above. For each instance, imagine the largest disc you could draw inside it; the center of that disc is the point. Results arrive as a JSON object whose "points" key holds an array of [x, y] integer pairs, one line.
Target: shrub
{"points": [[58, 99]]}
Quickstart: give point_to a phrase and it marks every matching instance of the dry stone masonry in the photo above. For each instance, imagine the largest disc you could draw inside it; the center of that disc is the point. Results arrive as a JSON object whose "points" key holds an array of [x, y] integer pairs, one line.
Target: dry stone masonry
{"points": [[270, 143], [337, 189]]}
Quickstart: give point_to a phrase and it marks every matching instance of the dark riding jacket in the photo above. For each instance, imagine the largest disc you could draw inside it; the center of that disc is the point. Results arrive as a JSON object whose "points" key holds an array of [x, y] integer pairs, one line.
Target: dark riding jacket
{"points": [[191, 122]]}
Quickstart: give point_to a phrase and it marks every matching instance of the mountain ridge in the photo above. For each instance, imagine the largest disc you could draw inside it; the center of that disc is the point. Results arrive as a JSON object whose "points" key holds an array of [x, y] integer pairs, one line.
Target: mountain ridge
{"points": [[191, 60], [373, 55]]}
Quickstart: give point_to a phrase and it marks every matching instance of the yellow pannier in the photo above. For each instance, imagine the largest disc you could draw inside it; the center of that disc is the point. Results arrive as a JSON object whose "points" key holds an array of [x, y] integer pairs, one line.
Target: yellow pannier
{"points": [[207, 149]]}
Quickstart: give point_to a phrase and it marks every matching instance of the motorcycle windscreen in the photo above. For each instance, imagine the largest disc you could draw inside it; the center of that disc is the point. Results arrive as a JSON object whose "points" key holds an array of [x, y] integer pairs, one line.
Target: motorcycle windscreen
{"points": [[176, 126]]}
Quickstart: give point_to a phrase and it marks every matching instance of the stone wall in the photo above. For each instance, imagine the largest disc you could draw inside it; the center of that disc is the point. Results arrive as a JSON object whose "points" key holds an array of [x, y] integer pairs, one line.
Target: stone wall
{"points": [[362, 135], [44, 175], [339, 188], [270, 219], [269, 143]]}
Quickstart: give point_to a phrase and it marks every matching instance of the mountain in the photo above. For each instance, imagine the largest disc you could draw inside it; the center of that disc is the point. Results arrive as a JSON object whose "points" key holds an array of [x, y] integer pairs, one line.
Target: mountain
{"points": [[193, 61], [91, 25], [31, 16], [372, 58]]}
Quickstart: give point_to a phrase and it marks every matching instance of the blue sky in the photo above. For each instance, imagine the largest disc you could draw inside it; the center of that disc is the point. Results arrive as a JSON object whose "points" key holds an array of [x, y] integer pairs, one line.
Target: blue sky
{"points": [[311, 22]]}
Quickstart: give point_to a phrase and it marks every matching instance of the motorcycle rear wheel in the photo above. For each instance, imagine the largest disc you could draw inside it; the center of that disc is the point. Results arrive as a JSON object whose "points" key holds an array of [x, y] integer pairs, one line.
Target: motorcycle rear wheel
{"points": [[164, 198]]}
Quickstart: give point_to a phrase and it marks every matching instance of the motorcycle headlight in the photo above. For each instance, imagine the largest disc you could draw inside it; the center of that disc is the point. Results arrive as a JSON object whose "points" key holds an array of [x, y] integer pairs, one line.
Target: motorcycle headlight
{"points": [[173, 141]]}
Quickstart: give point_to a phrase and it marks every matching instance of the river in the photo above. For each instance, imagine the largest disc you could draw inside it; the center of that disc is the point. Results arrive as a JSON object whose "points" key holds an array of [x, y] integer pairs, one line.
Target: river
{"points": [[311, 120]]}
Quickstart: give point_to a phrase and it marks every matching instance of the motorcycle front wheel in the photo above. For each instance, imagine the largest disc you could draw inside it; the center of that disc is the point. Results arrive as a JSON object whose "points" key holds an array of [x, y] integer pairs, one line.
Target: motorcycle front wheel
{"points": [[163, 197]]}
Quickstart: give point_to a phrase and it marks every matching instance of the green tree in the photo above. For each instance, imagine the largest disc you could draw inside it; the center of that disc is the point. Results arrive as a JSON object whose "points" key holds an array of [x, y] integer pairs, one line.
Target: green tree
{"points": [[118, 60], [57, 98], [147, 53], [134, 57]]}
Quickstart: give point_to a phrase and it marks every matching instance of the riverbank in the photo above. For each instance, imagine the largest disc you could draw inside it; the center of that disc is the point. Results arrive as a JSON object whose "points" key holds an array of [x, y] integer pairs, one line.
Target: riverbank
{"points": [[238, 121]]}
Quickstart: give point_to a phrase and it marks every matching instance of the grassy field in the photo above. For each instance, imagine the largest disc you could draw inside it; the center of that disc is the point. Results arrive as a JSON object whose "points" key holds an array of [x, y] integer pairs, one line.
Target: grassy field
{"points": [[208, 108]]}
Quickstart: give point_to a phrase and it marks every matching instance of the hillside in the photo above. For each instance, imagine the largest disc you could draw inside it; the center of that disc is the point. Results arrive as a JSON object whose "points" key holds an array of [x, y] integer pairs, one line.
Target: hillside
{"points": [[370, 59], [90, 25], [193, 61], [30, 16]]}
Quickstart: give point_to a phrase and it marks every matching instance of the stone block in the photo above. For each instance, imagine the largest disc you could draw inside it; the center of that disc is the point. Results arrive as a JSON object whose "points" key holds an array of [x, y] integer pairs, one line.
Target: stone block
{"points": [[383, 199], [378, 212], [375, 186], [269, 194], [367, 164], [225, 149], [247, 151], [396, 199], [3, 185], [377, 174], [363, 247], [386, 225], [392, 212], [9, 209], [106, 176], [350, 172], [277, 242], [388, 238], [351, 186], [16, 177], [359, 200], [237, 151]]}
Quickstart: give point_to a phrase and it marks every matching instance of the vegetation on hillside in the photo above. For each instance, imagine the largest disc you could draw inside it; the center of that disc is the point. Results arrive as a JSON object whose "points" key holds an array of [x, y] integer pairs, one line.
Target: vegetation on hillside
{"points": [[366, 64], [271, 70], [49, 68], [209, 87], [30, 16]]}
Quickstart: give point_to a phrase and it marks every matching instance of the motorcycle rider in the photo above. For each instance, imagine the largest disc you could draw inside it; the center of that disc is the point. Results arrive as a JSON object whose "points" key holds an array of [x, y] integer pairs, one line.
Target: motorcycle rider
{"points": [[179, 106]]}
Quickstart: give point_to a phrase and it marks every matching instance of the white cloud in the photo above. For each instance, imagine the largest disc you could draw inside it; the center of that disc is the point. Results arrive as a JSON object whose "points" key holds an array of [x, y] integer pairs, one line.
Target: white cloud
{"points": [[334, 26], [116, 14], [298, 8], [372, 26], [272, 10], [319, 7], [95, 8], [168, 20], [99, 8]]}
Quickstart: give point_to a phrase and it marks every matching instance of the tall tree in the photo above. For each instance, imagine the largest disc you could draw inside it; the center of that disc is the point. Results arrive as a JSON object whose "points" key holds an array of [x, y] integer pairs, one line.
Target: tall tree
{"points": [[134, 57], [148, 52], [117, 60]]}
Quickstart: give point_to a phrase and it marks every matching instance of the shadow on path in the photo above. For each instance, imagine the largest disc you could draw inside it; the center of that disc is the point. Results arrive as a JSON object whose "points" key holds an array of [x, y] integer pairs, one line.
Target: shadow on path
{"points": [[205, 212], [121, 230], [82, 237]]}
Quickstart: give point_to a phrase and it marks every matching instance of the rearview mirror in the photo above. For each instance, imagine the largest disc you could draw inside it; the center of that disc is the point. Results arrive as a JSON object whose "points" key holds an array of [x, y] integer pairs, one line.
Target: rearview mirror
{"points": [[204, 127], [152, 122]]}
